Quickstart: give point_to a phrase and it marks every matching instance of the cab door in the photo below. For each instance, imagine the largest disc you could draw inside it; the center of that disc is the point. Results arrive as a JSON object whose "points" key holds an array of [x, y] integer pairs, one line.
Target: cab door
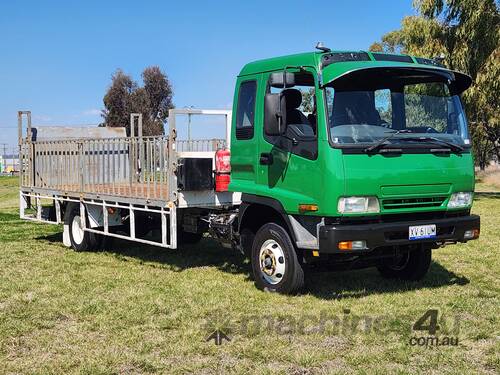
{"points": [[288, 169], [246, 121]]}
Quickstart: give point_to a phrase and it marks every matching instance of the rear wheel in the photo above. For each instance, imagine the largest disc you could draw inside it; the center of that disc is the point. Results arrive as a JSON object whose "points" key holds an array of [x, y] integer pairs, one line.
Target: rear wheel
{"points": [[411, 265], [274, 261], [80, 239]]}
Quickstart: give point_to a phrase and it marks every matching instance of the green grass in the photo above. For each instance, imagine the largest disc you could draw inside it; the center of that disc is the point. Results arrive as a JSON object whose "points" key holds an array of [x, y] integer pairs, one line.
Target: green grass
{"points": [[138, 309]]}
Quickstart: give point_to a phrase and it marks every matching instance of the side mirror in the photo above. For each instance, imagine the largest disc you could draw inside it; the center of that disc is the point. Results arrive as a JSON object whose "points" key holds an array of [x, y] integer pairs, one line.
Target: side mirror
{"points": [[282, 80], [274, 114]]}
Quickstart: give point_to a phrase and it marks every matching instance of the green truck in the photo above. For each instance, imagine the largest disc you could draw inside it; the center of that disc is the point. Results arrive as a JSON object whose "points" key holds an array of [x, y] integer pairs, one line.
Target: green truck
{"points": [[341, 159], [378, 173]]}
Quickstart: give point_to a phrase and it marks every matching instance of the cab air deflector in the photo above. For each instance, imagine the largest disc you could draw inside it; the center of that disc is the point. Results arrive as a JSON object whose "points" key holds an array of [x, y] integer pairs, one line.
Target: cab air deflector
{"points": [[383, 77]]}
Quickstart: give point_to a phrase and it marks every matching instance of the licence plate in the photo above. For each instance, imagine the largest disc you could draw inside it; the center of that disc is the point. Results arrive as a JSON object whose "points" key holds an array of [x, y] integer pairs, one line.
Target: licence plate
{"points": [[419, 232]]}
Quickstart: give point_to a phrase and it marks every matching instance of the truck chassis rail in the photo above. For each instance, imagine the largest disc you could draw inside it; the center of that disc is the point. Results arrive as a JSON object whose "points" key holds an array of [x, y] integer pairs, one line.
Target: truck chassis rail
{"points": [[167, 214]]}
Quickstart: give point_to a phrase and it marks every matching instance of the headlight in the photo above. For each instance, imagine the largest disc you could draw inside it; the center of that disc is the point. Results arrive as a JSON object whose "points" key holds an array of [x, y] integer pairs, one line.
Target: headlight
{"points": [[462, 199], [358, 205]]}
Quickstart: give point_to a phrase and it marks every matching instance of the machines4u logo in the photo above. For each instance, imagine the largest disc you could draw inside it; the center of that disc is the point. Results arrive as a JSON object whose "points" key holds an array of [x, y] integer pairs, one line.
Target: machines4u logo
{"points": [[430, 324]]}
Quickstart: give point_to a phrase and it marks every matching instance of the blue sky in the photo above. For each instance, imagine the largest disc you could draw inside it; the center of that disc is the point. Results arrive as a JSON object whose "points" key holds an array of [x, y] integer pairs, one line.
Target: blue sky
{"points": [[57, 57]]}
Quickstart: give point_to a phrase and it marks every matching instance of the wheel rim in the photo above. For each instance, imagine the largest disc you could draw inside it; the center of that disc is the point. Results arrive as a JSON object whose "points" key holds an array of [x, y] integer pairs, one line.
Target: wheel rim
{"points": [[77, 230], [400, 261], [272, 262]]}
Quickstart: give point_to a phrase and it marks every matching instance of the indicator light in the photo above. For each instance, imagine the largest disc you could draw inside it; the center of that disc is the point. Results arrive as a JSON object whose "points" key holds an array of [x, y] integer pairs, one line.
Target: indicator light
{"points": [[308, 207], [352, 245]]}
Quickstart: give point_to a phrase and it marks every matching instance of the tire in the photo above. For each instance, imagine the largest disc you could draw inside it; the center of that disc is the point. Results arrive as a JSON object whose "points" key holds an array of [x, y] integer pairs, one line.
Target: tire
{"points": [[274, 261], [80, 240], [412, 266]]}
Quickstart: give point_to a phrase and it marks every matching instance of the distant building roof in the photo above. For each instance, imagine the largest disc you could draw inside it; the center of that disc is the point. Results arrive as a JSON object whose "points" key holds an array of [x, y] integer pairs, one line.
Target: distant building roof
{"points": [[44, 133]]}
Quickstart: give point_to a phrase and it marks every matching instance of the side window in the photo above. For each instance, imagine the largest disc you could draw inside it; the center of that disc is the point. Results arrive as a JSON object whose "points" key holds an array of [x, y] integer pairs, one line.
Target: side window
{"points": [[383, 105], [301, 122], [426, 107], [245, 115]]}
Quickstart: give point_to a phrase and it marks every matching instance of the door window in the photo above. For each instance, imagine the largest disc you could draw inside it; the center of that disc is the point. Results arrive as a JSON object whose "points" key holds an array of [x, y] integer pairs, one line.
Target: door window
{"points": [[245, 115], [300, 117]]}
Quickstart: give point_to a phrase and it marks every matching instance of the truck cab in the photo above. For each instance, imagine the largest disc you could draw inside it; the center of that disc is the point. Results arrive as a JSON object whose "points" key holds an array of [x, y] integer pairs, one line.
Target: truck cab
{"points": [[349, 159]]}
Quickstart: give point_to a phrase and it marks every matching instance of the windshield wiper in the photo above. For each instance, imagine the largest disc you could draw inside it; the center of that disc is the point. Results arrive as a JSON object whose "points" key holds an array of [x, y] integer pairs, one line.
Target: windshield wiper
{"points": [[453, 146], [383, 141]]}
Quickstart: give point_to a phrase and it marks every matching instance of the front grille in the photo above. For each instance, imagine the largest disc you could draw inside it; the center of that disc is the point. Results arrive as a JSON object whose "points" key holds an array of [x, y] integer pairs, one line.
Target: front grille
{"points": [[395, 217], [393, 204]]}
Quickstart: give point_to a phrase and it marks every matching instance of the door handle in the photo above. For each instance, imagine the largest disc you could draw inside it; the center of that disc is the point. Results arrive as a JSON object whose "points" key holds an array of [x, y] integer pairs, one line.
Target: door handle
{"points": [[266, 158]]}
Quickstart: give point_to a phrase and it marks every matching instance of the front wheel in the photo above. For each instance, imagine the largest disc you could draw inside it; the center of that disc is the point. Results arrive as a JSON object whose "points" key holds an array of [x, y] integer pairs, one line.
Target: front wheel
{"points": [[274, 261], [411, 265]]}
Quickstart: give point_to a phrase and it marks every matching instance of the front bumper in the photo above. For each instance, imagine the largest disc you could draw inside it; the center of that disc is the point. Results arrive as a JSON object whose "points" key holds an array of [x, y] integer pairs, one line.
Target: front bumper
{"points": [[392, 234]]}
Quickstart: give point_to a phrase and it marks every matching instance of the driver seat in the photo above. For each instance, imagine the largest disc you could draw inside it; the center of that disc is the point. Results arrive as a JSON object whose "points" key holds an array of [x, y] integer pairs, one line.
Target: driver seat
{"points": [[293, 101]]}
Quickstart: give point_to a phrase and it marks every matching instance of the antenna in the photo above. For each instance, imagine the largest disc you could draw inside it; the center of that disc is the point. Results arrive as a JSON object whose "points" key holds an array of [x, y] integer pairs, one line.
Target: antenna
{"points": [[322, 47]]}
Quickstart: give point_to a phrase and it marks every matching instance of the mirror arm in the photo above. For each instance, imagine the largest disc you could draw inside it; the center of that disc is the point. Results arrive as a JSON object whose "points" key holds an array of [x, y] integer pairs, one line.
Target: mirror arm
{"points": [[280, 110], [279, 115]]}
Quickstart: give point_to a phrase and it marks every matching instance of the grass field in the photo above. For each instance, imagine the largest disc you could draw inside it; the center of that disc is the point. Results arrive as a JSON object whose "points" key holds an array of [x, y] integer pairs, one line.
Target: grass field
{"points": [[138, 309]]}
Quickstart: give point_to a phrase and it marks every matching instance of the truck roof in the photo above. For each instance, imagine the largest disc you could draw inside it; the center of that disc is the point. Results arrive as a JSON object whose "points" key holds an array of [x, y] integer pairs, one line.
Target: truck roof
{"points": [[365, 58]]}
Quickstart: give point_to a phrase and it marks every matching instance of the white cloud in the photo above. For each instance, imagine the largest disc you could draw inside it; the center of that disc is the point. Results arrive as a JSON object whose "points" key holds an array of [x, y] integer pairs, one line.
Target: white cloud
{"points": [[92, 112], [42, 118]]}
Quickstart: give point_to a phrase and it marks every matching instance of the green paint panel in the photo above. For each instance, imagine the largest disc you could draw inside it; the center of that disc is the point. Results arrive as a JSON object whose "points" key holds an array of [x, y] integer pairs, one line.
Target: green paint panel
{"points": [[403, 183]]}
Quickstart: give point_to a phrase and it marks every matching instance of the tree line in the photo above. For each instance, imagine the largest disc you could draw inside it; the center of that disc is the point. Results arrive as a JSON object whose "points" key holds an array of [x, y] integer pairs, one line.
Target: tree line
{"points": [[467, 34], [125, 96]]}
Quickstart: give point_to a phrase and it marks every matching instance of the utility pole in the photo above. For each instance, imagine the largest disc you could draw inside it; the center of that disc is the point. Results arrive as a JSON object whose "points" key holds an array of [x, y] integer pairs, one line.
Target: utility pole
{"points": [[14, 151], [3, 166], [189, 127]]}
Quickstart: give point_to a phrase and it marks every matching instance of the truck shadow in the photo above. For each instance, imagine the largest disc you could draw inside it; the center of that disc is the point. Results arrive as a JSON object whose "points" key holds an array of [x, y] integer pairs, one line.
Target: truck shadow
{"points": [[322, 284], [365, 282]]}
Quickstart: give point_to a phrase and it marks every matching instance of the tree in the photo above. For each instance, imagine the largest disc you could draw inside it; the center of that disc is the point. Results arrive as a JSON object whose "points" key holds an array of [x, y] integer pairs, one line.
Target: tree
{"points": [[125, 96], [117, 101], [487, 104], [308, 99], [482, 145], [467, 33]]}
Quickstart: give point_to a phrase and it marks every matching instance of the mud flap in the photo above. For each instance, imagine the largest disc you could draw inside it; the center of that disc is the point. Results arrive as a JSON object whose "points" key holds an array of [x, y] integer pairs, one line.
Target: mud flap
{"points": [[66, 240]]}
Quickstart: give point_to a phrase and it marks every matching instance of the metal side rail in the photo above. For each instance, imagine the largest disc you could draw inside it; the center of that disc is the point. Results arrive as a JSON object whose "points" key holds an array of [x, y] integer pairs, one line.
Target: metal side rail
{"points": [[168, 216]]}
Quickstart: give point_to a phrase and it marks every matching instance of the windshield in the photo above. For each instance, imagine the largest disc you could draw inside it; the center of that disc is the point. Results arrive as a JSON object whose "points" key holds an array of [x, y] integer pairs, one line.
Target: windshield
{"points": [[367, 115]]}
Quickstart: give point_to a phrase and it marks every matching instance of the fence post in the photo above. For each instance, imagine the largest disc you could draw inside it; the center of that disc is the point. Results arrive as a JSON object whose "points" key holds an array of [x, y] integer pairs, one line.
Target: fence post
{"points": [[80, 164]]}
